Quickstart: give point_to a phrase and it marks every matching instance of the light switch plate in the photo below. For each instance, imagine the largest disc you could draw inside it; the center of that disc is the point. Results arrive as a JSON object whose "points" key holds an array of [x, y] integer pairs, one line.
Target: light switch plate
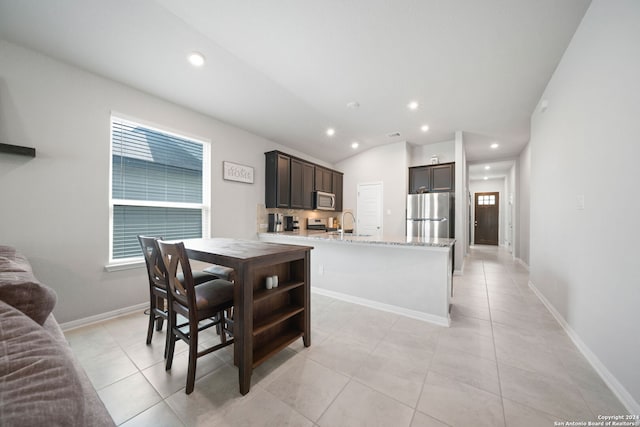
{"points": [[580, 202]]}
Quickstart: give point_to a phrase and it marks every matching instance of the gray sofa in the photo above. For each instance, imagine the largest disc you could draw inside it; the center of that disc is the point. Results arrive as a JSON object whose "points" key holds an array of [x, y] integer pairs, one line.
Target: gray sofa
{"points": [[41, 381]]}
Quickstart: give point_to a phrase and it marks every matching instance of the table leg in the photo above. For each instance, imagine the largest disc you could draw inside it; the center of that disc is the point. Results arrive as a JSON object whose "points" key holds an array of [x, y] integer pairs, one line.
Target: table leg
{"points": [[306, 338], [243, 293]]}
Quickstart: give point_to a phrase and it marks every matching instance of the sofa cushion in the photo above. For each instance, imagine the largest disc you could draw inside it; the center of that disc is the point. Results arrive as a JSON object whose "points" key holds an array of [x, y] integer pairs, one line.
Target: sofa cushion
{"points": [[9, 265], [38, 382], [20, 289]]}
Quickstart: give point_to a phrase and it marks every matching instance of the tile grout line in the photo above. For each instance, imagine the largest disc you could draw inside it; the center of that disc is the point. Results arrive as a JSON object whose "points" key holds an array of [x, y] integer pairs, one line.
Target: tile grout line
{"points": [[139, 371], [495, 352]]}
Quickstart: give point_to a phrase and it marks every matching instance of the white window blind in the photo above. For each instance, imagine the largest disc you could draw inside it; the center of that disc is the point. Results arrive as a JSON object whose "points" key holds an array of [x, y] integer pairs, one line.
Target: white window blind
{"points": [[158, 186]]}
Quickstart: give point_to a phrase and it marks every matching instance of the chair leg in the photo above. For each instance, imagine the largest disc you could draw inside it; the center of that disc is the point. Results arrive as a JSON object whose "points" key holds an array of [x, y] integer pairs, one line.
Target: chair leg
{"points": [[152, 320], [218, 328], [221, 325], [171, 341], [168, 336], [160, 305], [193, 357]]}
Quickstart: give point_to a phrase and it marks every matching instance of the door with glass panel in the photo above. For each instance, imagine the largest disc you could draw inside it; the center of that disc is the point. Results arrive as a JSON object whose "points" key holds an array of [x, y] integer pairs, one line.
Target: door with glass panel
{"points": [[486, 218]]}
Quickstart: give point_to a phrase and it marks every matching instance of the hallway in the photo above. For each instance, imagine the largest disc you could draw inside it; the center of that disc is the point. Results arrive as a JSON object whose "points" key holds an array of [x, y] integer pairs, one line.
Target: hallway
{"points": [[540, 374]]}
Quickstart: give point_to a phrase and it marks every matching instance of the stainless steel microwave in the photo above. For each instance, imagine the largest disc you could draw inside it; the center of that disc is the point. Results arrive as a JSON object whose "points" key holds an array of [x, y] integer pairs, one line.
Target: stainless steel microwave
{"points": [[324, 201]]}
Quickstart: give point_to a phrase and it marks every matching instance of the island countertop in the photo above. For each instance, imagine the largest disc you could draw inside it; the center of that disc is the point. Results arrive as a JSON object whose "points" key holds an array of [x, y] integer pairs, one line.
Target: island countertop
{"points": [[407, 276], [433, 242]]}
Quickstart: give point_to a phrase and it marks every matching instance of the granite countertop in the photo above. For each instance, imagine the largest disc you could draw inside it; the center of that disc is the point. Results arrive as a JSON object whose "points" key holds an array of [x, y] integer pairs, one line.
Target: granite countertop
{"points": [[433, 242]]}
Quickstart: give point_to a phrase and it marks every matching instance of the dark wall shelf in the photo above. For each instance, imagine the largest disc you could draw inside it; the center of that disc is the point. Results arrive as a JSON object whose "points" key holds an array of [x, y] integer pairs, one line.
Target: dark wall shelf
{"points": [[17, 149]]}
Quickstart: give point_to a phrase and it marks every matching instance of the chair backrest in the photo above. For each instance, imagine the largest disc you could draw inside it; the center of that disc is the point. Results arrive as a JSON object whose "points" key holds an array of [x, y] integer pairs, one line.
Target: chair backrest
{"points": [[155, 267], [174, 256]]}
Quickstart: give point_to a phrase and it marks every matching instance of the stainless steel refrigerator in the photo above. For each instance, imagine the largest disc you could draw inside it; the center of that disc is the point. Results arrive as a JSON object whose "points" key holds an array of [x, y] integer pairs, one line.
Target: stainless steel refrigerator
{"points": [[430, 215]]}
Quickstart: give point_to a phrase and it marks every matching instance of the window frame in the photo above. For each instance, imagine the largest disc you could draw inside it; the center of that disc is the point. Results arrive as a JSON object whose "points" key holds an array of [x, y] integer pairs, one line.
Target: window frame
{"points": [[205, 206]]}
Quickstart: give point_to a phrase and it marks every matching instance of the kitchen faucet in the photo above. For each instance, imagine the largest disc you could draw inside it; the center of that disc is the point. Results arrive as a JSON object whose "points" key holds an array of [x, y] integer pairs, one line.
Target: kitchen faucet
{"points": [[342, 222]]}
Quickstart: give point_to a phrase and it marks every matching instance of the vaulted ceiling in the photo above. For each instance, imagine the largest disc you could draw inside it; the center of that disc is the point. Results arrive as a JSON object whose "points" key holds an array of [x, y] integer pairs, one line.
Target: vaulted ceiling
{"points": [[290, 69]]}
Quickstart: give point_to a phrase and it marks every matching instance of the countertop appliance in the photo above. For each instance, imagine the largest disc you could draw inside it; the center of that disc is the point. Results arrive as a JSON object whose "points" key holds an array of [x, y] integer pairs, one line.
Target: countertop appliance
{"points": [[324, 201], [276, 223], [430, 215], [319, 224], [291, 223]]}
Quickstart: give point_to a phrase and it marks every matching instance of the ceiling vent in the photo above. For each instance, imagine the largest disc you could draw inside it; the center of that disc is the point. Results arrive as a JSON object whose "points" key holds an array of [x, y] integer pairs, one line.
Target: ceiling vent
{"points": [[393, 134]]}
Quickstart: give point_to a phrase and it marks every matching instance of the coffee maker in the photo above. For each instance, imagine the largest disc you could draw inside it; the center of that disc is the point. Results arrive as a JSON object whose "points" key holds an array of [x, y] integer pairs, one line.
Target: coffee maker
{"points": [[275, 223], [291, 223]]}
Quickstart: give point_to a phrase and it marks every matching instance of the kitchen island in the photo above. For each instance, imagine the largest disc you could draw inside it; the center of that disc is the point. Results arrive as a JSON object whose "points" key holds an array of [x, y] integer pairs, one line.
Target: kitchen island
{"points": [[405, 275]]}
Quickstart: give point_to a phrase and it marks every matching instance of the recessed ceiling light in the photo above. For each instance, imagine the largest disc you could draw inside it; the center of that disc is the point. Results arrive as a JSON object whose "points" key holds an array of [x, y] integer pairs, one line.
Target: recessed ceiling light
{"points": [[495, 145], [354, 145], [413, 105], [196, 59], [331, 132], [487, 167], [486, 178], [424, 128]]}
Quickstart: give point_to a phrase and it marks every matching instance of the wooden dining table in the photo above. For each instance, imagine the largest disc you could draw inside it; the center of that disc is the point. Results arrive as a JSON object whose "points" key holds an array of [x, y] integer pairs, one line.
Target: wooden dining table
{"points": [[265, 320]]}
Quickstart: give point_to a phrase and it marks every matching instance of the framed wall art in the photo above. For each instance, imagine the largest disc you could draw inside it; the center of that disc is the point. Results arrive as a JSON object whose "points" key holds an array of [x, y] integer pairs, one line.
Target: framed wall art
{"points": [[236, 172]]}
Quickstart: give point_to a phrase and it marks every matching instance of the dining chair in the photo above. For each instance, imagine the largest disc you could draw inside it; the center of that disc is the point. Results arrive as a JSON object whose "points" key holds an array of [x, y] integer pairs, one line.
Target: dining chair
{"points": [[158, 306], [203, 305]]}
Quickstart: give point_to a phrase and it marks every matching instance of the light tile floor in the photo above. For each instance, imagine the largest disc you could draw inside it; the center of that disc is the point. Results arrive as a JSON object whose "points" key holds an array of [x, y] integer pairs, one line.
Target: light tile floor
{"points": [[503, 362]]}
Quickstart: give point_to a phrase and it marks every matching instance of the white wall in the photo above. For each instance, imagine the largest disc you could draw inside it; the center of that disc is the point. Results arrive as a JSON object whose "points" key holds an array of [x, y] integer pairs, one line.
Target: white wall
{"points": [[386, 164], [420, 155], [523, 205], [584, 262], [511, 219], [462, 209], [491, 185], [54, 207]]}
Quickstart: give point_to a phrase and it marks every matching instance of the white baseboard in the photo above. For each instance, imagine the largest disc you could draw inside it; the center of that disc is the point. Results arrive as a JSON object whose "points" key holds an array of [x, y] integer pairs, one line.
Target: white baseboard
{"points": [[522, 263], [618, 389], [103, 316], [460, 271], [438, 320]]}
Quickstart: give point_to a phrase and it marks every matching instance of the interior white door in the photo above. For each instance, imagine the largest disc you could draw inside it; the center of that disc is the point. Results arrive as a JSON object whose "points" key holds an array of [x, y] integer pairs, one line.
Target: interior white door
{"points": [[369, 209]]}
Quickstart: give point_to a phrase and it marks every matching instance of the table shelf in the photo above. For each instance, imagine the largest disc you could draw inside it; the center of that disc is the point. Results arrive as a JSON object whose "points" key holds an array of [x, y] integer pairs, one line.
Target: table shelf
{"points": [[266, 351], [263, 293], [276, 317]]}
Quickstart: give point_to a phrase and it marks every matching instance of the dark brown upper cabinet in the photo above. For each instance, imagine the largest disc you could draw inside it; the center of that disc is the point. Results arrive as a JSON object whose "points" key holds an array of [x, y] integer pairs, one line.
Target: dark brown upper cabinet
{"points": [[277, 180], [302, 180], [290, 182], [324, 180], [337, 189], [432, 178], [330, 182]]}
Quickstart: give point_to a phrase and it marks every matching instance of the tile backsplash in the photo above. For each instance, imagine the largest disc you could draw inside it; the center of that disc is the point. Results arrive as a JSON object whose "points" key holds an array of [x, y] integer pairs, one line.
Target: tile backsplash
{"points": [[263, 219]]}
